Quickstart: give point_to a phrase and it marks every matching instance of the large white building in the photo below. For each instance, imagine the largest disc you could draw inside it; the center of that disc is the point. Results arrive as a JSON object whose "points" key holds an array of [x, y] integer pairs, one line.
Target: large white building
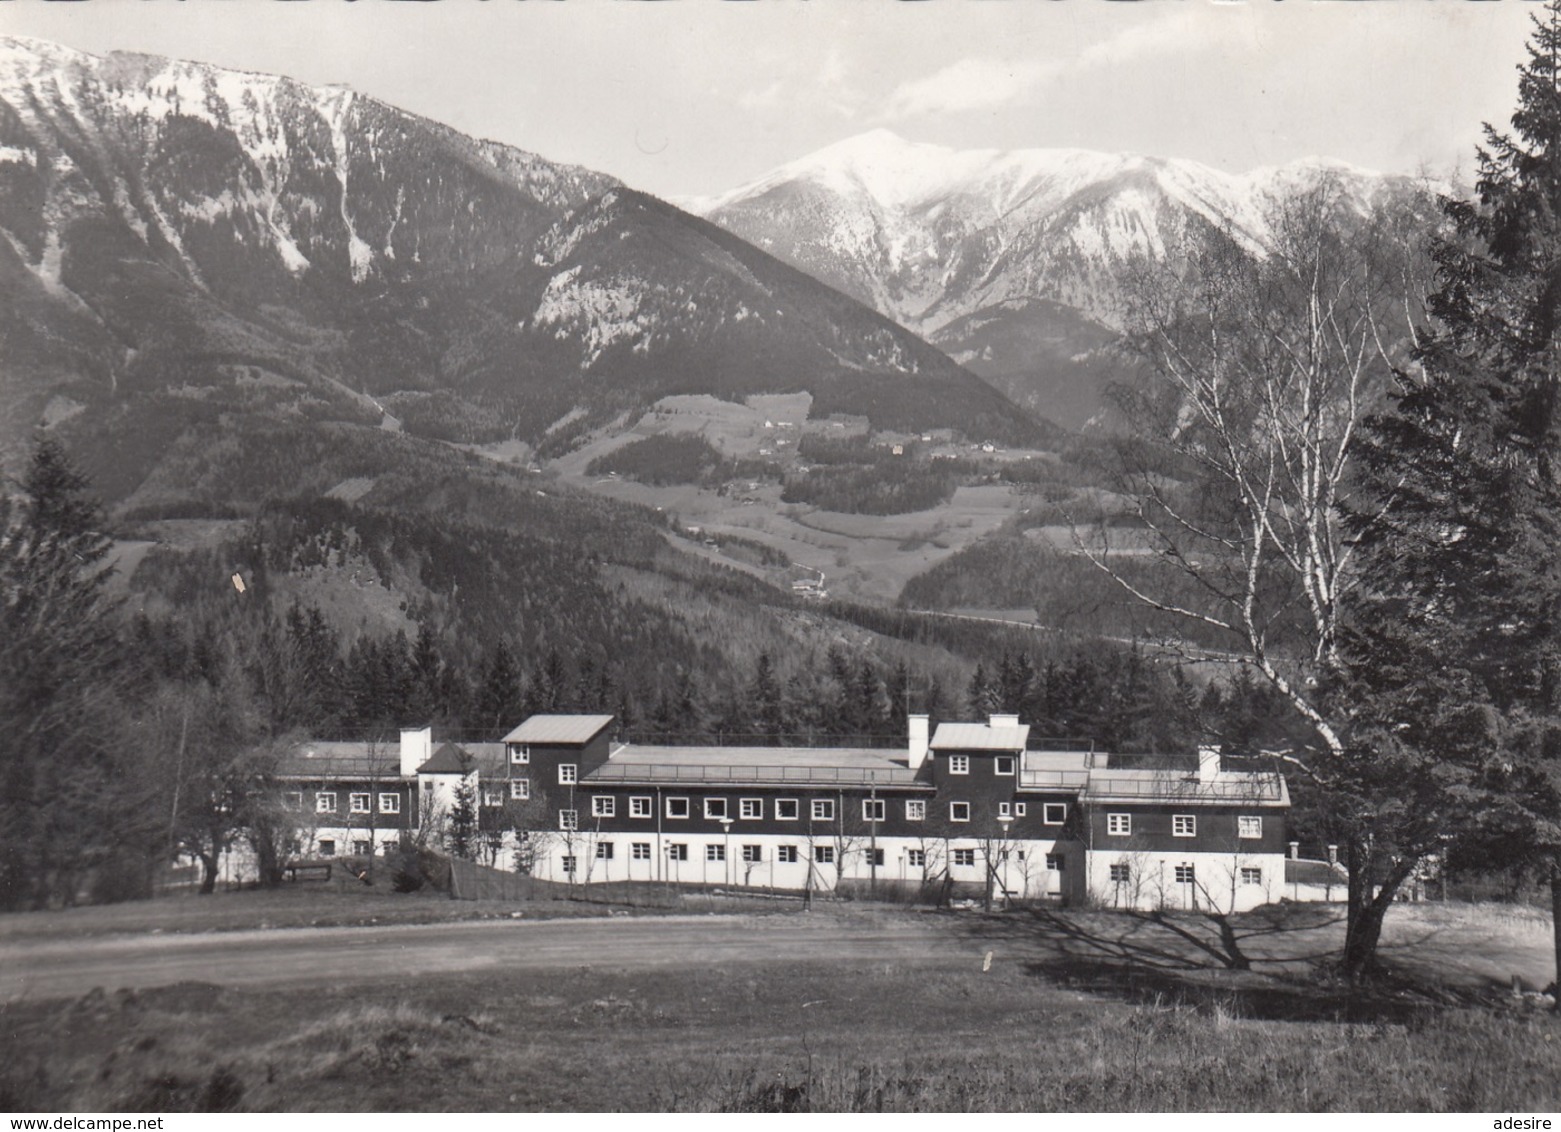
{"points": [[973, 809]]}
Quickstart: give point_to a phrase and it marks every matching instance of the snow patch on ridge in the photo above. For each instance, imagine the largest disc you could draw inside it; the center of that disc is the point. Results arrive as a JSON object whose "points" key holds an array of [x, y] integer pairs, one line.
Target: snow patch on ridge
{"points": [[252, 107], [47, 271], [927, 234], [359, 255], [600, 313]]}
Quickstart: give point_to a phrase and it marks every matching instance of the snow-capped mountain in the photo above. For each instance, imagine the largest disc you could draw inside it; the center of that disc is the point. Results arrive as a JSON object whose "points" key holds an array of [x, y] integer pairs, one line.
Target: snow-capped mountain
{"points": [[179, 242], [989, 253]]}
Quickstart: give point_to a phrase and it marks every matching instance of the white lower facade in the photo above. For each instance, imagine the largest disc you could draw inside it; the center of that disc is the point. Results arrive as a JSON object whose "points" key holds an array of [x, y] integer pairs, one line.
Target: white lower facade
{"points": [[1023, 870], [1209, 882], [314, 844], [798, 863], [325, 842]]}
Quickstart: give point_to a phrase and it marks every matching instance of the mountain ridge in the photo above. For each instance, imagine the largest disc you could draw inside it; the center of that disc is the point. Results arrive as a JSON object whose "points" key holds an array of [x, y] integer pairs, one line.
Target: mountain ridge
{"points": [[1011, 241], [933, 199], [175, 231]]}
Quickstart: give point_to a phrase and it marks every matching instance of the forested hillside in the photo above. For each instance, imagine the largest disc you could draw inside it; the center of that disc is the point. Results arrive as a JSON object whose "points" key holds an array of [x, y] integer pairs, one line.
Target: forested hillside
{"points": [[328, 619]]}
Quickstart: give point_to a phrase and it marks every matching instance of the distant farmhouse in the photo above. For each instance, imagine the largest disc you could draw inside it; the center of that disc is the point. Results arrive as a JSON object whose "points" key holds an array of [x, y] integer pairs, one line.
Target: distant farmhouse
{"points": [[973, 807]]}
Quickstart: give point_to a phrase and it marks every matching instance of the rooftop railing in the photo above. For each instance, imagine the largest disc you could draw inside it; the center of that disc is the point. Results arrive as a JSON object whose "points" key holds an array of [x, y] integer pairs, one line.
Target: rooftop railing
{"points": [[1053, 779], [1059, 743], [681, 772], [1254, 788]]}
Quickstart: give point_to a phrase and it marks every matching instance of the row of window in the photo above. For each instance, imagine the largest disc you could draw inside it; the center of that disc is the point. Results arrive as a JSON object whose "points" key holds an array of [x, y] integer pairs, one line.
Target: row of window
{"points": [[1002, 764], [1184, 874], [519, 790], [325, 802], [715, 852], [360, 848], [786, 809], [1183, 825], [790, 809]]}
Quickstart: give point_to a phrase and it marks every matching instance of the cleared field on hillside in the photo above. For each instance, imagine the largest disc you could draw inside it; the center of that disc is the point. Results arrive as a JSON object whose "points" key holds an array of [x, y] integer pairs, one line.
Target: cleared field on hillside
{"points": [[863, 557]]}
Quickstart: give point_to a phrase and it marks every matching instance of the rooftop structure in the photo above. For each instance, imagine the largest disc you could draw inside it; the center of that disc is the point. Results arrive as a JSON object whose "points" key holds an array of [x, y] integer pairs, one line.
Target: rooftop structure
{"points": [[1003, 733], [559, 729]]}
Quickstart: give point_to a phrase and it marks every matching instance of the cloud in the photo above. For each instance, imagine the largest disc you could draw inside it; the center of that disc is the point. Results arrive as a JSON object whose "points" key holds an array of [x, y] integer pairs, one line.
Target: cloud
{"points": [[1208, 28], [838, 93], [766, 99], [823, 84], [970, 84], [986, 83]]}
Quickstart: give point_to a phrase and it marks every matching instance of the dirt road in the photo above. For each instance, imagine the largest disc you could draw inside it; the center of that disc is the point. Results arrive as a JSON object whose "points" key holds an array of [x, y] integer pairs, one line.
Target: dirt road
{"points": [[60, 967]]}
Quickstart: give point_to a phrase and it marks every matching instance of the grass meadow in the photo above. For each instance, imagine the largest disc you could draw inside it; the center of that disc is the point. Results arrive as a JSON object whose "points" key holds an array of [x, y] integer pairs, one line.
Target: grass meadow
{"points": [[947, 1034]]}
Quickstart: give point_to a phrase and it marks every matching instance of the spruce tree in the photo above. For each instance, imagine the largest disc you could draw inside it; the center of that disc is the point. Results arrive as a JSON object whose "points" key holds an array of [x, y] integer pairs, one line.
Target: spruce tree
{"points": [[765, 699], [498, 699], [842, 718], [1016, 681], [982, 695], [937, 705], [865, 691], [463, 828], [61, 669], [898, 691], [1454, 642], [687, 714], [428, 671]]}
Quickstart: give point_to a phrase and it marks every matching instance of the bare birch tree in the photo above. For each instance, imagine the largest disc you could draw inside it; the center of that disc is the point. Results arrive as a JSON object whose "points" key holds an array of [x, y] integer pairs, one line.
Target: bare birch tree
{"points": [[1262, 355]]}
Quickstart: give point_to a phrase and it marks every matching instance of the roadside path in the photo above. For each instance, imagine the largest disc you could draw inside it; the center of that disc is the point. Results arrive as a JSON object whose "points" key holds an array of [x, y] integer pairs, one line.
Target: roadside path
{"points": [[64, 967]]}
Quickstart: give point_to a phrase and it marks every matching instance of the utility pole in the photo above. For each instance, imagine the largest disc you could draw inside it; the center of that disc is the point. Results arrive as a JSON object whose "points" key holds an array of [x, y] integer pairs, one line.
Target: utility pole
{"points": [[1002, 851], [872, 883], [726, 847]]}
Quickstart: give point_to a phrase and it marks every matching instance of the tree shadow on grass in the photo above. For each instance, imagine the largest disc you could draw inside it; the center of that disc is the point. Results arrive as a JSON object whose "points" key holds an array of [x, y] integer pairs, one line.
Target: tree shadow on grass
{"points": [[1269, 1000], [1270, 939], [1275, 963]]}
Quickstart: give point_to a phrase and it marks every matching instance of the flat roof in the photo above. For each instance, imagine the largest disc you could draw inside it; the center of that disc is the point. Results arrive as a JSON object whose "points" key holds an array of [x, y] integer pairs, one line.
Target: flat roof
{"points": [[341, 759], [339, 770], [980, 737], [1063, 760], [1233, 787], [357, 759], [802, 765], [559, 729]]}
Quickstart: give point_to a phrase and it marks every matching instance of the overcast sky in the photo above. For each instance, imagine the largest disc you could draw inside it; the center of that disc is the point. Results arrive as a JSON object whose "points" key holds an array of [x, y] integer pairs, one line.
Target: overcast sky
{"points": [[697, 96]]}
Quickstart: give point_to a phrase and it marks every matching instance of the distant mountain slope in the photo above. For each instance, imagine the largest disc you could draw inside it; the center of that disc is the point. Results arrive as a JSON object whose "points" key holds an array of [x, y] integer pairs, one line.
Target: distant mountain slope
{"points": [[182, 242], [990, 253], [631, 278]]}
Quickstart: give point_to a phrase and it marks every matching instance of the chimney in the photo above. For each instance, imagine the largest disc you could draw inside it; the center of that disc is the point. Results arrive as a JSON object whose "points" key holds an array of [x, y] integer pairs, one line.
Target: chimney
{"points": [[916, 752], [997, 721], [417, 747], [1208, 764]]}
